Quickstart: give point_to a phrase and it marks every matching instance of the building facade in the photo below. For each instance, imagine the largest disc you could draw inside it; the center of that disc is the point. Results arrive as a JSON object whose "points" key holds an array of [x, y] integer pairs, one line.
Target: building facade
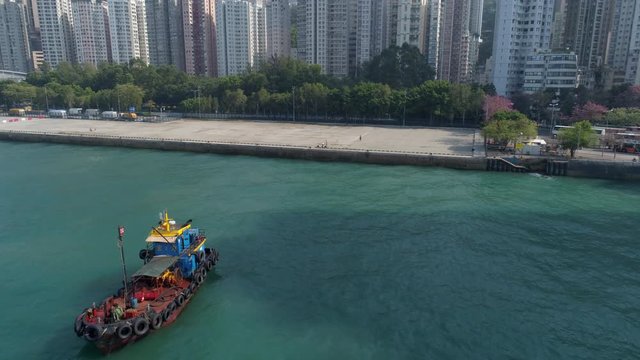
{"points": [[624, 46], [241, 35], [15, 52], [199, 26], [459, 40], [90, 31], [127, 31], [406, 22], [56, 30], [550, 70], [165, 32], [521, 29], [278, 32]]}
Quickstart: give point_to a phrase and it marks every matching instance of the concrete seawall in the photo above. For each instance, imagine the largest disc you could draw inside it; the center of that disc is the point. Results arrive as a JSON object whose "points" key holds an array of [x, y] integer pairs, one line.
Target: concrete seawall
{"points": [[262, 150], [604, 169], [574, 168]]}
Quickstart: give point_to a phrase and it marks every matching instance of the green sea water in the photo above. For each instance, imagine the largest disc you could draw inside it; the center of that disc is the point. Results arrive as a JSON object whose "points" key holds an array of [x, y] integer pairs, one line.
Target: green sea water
{"points": [[323, 260]]}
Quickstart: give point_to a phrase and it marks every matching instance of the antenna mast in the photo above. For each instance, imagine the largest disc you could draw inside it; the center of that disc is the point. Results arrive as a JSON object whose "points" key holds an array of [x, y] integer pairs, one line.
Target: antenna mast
{"points": [[124, 267]]}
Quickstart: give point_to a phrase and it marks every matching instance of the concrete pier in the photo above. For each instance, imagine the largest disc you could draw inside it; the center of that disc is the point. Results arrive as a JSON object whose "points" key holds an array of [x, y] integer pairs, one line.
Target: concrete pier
{"points": [[443, 147]]}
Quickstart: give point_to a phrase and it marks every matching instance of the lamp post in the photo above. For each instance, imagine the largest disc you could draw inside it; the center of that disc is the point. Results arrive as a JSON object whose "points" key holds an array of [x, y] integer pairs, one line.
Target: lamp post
{"points": [[404, 108], [196, 93], [293, 96]]}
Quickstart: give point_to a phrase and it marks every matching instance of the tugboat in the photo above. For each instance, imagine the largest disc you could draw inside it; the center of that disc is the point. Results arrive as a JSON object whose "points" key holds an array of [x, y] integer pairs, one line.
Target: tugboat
{"points": [[176, 264]]}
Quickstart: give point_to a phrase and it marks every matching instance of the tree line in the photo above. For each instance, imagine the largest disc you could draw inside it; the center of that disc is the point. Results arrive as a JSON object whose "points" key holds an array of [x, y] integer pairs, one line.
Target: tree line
{"points": [[396, 84]]}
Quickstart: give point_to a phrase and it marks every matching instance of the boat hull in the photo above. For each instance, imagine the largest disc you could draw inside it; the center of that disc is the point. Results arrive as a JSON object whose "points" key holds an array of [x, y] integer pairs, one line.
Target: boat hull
{"points": [[150, 316]]}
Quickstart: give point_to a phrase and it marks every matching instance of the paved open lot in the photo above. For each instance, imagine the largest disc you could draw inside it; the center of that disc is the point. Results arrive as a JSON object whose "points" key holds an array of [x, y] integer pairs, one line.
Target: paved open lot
{"points": [[444, 141], [401, 139]]}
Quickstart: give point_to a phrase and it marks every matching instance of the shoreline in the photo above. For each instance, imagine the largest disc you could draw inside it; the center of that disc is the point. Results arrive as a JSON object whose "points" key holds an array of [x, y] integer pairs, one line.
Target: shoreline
{"points": [[446, 148]]}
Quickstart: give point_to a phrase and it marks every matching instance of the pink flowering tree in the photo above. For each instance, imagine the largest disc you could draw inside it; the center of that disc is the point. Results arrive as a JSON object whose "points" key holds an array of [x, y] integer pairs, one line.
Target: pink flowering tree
{"points": [[628, 98], [590, 111], [493, 104]]}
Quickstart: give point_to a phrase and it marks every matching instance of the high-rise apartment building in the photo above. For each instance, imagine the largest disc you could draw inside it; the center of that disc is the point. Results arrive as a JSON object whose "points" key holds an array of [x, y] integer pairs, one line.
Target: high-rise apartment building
{"points": [[199, 23], [165, 32], [552, 69], [459, 38], [340, 35], [14, 40], [583, 26], [521, 29], [128, 31], [406, 22], [90, 31], [312, 31], [365, 19], [337, 37], [56, 31], [618, 47], [624, 44], [242, 37], [434, 16], [278, 28], [143, 38]]}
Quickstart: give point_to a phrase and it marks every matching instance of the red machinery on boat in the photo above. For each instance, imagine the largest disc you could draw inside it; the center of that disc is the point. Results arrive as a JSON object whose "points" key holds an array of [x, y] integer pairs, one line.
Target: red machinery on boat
{"points": [[176, 263]]}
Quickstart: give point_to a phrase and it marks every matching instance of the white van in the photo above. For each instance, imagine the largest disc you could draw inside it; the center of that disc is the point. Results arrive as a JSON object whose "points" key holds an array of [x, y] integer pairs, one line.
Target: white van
{"points": [[109, 115], [75, 111], [92, 113], [58, 114]]}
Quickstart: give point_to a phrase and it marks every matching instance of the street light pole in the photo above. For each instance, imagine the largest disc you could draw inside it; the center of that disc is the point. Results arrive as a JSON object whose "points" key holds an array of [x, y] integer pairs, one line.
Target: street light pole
{"points": [[404, 108], [293, 95]]}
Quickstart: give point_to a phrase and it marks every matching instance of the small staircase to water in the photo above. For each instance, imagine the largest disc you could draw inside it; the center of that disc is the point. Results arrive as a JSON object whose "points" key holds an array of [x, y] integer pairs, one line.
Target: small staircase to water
{"points": [[502, 165]]}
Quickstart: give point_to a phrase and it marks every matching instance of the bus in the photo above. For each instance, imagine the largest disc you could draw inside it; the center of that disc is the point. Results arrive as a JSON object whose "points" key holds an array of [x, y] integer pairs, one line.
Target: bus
{"points": [[598, 130], [628, 142]]}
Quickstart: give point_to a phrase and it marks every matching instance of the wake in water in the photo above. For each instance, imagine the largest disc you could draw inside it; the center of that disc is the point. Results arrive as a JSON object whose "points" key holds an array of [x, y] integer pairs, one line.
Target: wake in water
{"points": [[541, 176]]}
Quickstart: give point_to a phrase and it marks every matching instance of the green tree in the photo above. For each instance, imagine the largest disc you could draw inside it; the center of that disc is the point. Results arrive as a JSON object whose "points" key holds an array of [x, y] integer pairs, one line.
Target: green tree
{"points": [[578, 136], [110, 75], [431, 98], [129, 95], [371, 99], [623, 117], [465, 100], [259, 100], [339, 101], [312, 97], [509, 126], [18, 93], [234, 101], [398, 67]]}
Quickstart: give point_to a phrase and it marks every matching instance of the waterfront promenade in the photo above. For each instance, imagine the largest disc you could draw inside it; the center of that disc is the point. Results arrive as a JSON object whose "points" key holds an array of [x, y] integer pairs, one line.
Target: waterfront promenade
{"points": [[436, 141]]}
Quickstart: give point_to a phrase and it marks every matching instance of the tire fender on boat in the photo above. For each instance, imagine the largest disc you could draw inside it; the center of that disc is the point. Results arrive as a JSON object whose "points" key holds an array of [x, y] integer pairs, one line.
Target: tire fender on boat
{"points": [[141, 326], [124, 331], [200, 256], [92, 332], [172, 306], [180, 300], [199, 278], [79, 326], [166, 313], [208, 264], [156, 321]]}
